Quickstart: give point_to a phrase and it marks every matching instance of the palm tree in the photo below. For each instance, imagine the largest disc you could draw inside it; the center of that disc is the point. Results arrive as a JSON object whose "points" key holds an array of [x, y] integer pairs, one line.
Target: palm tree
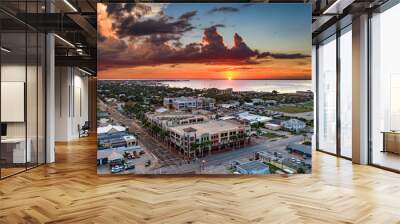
{"points": [[206, 144], [194, 146], [201, 146], [248, 137], [233, 138], [241, 137]]}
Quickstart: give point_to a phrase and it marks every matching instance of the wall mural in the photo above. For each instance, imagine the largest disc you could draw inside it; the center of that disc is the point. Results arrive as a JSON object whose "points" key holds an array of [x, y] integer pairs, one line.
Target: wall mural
{"points": [[216, 88]]}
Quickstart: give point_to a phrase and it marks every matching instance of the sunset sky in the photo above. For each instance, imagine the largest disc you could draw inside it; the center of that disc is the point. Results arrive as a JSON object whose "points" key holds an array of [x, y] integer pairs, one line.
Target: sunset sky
{"points": [[204, 41]]}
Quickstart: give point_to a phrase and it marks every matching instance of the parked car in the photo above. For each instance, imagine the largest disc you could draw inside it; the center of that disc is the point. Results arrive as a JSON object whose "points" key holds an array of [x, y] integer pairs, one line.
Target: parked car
{"points": [[130, 166], [135, 155], [141, 152], [127, 155], [148, 163], [117, 168], [278, 154]]}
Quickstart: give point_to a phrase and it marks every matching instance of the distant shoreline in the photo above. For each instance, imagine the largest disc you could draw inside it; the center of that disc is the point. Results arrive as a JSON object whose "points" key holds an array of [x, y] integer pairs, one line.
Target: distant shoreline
{"points": [[286, 86]]}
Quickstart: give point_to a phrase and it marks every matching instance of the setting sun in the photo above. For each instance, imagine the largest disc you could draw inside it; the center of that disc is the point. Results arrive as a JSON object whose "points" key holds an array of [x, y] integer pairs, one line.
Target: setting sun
{"points": [[229, 75]]}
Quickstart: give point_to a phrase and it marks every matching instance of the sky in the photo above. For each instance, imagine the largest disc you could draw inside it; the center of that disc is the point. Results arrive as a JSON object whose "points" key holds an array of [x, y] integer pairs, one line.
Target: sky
{"points": [[204, 41]]}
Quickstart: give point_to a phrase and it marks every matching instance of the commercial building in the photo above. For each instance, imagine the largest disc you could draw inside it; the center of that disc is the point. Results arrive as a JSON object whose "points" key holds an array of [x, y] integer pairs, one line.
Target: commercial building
{"points": [[230, 105], [103, 156], [195, 140], [189, 103], [272, 126], [294, 125], [174, 118], [253, 167], [304, 150], [114, 136], [253, 118]]}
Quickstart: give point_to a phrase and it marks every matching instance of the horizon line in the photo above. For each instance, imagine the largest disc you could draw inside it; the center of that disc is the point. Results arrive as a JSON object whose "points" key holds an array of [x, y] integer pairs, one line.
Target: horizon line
{"points": [[203, 79]]}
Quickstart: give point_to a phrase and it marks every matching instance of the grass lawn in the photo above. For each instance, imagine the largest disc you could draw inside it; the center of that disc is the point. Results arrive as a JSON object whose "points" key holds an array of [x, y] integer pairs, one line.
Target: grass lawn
{"points": [[273, 168], [300, 108]]}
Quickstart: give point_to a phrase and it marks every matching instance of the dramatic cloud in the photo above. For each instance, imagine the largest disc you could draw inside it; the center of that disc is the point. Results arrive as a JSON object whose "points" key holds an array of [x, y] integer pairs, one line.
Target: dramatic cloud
{"points": [[223, 10], [154, 50], [135, 19], [129, 27], [282, 56], [188, 15]]}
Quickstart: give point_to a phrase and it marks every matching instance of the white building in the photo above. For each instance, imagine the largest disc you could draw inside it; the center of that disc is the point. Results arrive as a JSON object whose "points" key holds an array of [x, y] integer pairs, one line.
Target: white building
{"points": [[230, 105], [257, 101], [130, 140], [161, 110], [272, 126], [248, 104], [253, 118], [294, 125], [110, 129]]}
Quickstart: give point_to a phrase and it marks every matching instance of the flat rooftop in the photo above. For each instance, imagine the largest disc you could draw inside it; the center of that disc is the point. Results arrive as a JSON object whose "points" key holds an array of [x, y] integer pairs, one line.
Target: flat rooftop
{"points": [[210, 127], [253, 166]]}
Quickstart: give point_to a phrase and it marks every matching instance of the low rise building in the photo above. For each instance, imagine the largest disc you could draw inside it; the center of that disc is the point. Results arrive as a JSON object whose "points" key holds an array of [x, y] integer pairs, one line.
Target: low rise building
{"points": [[248, 104], [257, 101], [294, 125], [230, 105], [304, 150], [104, 156], [308, 93], [253, 167], [195, 140], [265, 156], [253, 118], [110, 130], [174, 118], [114, 136], [272, 126], [189, 103]]}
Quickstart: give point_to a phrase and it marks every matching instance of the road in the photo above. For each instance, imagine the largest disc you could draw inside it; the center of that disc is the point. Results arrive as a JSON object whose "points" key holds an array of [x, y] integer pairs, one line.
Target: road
{"points": [[224, 159], [163, 155]]}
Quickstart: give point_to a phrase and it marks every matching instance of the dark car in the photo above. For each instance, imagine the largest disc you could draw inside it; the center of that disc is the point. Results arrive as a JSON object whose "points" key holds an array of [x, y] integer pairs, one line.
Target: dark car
{"points": [[130, 166], [148, 163]]}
